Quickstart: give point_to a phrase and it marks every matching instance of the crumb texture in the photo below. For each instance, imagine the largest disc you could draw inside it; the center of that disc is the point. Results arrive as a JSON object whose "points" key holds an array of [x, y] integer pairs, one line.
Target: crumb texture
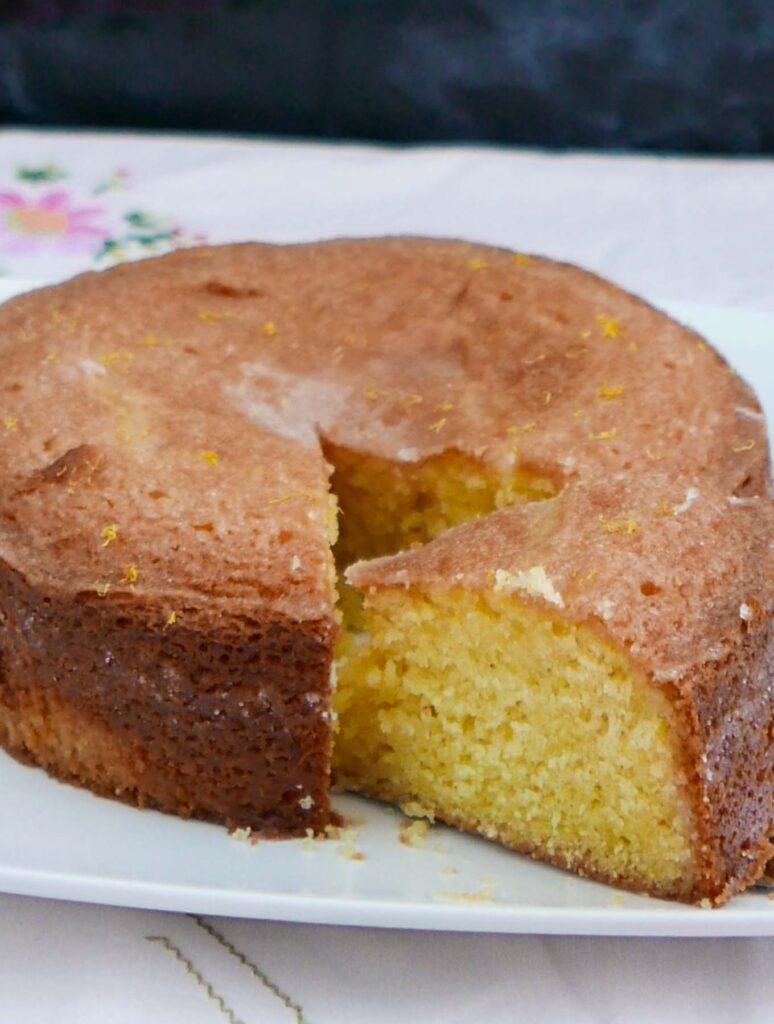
{"points": [[504, 720]]}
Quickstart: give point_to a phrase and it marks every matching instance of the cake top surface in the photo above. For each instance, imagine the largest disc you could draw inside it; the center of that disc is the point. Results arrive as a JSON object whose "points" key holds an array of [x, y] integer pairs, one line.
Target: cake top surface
{"points": [[161, 422], [675, 574]]}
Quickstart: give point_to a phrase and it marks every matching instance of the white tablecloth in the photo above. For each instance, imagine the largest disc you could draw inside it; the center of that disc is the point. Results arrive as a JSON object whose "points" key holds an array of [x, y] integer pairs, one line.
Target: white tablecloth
{"points": [[670, 229]]}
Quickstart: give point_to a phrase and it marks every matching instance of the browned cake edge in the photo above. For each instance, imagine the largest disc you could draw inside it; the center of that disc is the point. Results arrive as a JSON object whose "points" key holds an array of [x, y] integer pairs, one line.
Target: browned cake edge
{"points": [[216, 716]]}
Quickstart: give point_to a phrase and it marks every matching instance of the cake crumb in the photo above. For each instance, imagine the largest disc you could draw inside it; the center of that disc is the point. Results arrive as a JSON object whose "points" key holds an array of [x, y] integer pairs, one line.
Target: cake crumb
{"points": [[617, 900], [448, 869], [706, 904], [745, 613], [244, 835], [414, 833], [306, 803], [307, 843], [350, 852], [413, 809], [484, 895]]}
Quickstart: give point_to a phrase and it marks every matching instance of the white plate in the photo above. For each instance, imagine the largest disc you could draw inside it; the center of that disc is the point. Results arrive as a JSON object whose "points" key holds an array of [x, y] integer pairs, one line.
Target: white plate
{"points": [[60, 842]]}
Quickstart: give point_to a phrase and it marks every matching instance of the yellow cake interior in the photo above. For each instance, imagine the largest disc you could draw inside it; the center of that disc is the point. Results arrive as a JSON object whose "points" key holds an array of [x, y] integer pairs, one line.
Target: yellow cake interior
{"points": [[488, 713], [387, 506], [494, 716]]}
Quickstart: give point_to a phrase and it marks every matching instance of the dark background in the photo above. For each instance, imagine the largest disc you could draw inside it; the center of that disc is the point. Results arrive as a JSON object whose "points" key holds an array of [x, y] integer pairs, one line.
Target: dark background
{"points": [[696, 75]]}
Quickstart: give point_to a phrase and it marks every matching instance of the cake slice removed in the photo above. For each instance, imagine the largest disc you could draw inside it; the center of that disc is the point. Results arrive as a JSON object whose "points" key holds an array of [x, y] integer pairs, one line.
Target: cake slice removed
{"points": [[548, 677]]}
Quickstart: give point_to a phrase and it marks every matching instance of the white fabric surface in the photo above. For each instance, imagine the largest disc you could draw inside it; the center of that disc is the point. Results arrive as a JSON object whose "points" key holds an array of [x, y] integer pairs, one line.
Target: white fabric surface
{"points": [[670, 229]]}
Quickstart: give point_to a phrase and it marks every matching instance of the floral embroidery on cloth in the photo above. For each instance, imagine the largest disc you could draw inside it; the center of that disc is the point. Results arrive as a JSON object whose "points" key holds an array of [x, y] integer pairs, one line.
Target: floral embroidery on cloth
{"points": [[49, 222], [38, 220]]}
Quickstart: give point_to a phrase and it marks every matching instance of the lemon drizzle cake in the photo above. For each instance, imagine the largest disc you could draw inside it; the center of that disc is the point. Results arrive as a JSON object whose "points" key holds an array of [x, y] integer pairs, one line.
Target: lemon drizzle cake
{"points": [[174, 433]]}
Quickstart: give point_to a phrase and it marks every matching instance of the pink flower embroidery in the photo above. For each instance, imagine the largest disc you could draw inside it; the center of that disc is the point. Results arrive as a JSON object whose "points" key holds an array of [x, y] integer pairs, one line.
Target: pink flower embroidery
{"points": [[50, 223]]}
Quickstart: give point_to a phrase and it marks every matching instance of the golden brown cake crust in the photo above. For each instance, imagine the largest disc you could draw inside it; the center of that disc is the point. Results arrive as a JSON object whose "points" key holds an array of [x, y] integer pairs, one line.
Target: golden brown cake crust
{"points": [[161, 472]]}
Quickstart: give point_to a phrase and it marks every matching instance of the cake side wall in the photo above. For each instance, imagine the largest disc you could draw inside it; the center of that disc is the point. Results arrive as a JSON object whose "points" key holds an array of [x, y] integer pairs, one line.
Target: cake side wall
{"points": [[222, 719], [729, 756]]}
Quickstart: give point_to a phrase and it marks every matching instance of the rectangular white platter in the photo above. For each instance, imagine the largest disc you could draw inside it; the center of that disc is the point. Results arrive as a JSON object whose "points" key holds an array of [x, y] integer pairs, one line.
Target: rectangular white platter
{"points": [[63, 843]]}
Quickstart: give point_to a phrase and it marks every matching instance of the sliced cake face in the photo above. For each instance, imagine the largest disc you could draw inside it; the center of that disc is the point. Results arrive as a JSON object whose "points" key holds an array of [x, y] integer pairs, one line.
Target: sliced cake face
{"points": [[506, 720], [577, 686]]}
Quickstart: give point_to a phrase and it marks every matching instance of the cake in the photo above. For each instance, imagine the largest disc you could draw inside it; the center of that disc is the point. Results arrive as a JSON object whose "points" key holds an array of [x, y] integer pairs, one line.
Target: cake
{"points": [[553, 541]]}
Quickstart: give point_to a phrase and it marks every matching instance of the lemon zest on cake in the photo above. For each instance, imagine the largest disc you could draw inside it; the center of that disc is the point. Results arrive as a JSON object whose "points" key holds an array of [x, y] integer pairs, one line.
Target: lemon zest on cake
{"points": [[619, 524], [746, 447], [52, 358], [438, 425], [11, 423], [270, 328], [444, 407], [582, 580], [611, 328], [211, 316], [131, 574], [610, 391], [633, 347], [604, 435], [666, 509], [120, 357], [410, 400], [210, 457], [170, 620], [108, 534], [521, 258], [151, 340], [528, 427], [478, 264], [371, 392], [338, 353], [290, 495]]}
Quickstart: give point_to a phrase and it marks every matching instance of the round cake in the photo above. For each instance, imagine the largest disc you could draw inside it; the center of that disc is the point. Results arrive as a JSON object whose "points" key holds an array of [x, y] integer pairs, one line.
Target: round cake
{"points": [[551, 502]]}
